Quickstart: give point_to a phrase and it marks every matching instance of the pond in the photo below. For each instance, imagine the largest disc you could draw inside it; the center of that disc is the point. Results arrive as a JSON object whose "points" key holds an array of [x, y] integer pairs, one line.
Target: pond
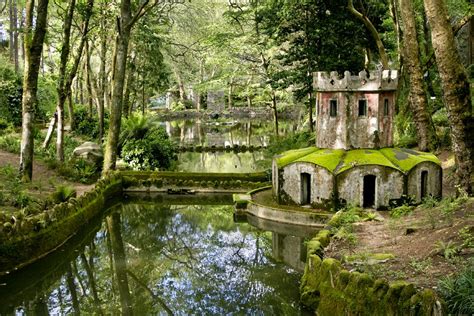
{"points": [[162, 256], [221, 133]]}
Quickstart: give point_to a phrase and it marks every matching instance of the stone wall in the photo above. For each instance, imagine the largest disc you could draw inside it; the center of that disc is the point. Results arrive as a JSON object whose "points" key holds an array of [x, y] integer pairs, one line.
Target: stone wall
{"points": [[389, 184], [434, 187], [322, 182]]}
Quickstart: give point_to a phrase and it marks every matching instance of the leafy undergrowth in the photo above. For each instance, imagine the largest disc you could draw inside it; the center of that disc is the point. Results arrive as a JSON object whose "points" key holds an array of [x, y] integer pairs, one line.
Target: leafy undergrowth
{"points": [[431, 245]]}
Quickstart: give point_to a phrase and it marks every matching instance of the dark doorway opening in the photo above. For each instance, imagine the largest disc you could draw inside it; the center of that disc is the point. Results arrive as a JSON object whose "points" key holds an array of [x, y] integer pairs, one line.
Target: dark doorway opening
{"points": [[369, 190], [305, 188], [424, 184]]}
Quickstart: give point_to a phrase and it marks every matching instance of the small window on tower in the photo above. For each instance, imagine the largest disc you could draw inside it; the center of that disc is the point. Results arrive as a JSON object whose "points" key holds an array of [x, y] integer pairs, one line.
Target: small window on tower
{"points": [[386, 110], [332, 108], [363, 107]]}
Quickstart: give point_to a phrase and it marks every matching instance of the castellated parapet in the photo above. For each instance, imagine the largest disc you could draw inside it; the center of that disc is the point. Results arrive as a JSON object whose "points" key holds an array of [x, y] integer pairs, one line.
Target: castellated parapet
{"points": [[385, 80], [355, 111]]}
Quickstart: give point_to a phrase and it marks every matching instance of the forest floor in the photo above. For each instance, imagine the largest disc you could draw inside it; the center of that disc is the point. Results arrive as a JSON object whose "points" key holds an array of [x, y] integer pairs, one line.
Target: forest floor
{"points": [[44, 182], [431, 242]]}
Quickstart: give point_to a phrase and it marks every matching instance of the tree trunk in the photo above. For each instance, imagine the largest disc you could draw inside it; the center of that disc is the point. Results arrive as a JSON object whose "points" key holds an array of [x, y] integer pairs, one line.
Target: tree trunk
{"points": [[455, 90], [33, 42], [418, 101], [62, 92], [114, 226], [373, 32], [230, 102], [118, 81], [15, 35], [87, 63], [275, 113], [102, 79]]}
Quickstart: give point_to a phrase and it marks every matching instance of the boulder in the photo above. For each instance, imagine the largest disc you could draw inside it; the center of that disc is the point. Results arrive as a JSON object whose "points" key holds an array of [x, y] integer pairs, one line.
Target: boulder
{"points": [[89, 151]]}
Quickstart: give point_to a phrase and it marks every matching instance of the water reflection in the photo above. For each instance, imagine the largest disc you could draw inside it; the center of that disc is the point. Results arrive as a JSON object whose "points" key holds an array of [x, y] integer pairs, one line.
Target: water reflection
{"points": [[162, 259]]}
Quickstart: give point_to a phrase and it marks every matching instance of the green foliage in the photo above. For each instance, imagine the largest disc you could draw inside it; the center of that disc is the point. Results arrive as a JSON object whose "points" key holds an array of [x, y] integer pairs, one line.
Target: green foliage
{"points": [[146, 145], [457, 291], [402, 210], [467, 236], [10, 93], [10, 143], [63, 193], [87, 123], [291, 141], [77, 169], [447, 250], [420, 266]]}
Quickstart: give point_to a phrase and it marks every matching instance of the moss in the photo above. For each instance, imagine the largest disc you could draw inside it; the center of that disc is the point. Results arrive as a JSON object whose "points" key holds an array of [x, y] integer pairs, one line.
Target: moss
{"points": [[324, 237], [326, 158], [290, 156], [363, 157], [406, 159]]}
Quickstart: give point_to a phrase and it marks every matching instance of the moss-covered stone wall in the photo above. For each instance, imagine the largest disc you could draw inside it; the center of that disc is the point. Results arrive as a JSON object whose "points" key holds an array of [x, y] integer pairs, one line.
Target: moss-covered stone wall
{"points": [[329, 289], [155, 181]]}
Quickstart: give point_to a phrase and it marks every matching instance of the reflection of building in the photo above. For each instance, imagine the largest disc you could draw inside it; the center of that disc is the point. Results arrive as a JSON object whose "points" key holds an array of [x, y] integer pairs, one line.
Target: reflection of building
{"points": [[354, 120], [288, 241]]}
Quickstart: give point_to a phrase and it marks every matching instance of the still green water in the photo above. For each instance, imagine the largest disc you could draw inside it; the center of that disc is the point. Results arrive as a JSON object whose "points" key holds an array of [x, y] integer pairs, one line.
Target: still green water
{"points": [[158, 257]]}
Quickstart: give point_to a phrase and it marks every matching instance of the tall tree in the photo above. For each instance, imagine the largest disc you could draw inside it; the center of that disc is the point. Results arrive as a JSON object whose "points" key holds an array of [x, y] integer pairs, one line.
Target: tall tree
{"points": [[456, 91], [33, 41], [418, 100], [124, 27]]}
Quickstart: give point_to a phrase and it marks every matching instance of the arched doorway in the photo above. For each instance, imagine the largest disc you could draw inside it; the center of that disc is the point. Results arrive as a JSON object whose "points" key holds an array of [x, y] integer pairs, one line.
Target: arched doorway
{"points": [[424, 184], [369, 191], [305, 188]]}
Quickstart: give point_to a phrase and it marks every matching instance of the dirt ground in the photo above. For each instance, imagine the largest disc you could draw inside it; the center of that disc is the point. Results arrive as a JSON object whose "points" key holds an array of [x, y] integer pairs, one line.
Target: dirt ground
{"points": [[44, 179]]}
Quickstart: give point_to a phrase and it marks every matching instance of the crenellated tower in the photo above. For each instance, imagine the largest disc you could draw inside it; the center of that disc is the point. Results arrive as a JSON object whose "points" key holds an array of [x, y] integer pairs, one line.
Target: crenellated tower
{"points": [[355, 111]]}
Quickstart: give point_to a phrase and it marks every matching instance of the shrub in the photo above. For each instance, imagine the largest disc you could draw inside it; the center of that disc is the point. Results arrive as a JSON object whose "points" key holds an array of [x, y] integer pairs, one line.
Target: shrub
{"points": [[145, 145], [457, 292], [63, 193], [10, 94], [401, 211], [86, 125]]}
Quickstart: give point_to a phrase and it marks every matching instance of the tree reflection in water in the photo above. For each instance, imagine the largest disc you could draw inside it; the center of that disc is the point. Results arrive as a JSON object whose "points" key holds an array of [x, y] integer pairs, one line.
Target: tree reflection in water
{"points": [[152, 259]]}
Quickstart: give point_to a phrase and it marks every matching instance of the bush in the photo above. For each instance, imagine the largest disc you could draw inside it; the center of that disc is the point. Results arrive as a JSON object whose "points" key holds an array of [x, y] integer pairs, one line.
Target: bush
{"points": [[457, 292], [10, 94], [86, 125], [63, 193], [145, 145]]}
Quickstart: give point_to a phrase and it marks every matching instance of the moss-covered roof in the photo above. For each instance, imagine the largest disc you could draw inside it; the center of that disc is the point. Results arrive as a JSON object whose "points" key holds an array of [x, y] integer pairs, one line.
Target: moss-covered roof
{"points": [[363, 157], [406, 159], [339, 160], [326, 158]]}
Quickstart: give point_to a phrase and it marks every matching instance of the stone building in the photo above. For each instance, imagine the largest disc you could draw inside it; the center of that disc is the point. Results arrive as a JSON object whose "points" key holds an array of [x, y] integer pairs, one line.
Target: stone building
{"points": [[353, 160]]}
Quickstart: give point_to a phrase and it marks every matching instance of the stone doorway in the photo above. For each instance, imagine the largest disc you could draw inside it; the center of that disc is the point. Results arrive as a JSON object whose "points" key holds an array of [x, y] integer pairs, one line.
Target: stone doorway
{"points": [[305, 188], [424, 184], [369, 191]]}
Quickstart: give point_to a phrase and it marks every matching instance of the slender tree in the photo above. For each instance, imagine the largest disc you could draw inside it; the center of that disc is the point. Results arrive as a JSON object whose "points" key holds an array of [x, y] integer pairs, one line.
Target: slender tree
{"points": [[33, 41], [124, 27], [456, 91], [418, 100]]}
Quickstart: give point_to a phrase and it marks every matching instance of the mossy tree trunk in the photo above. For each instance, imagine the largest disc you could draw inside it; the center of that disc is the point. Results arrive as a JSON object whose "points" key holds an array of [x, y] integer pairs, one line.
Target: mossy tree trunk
{"points": [[33, 42], [418, 100], [456, 91]]}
